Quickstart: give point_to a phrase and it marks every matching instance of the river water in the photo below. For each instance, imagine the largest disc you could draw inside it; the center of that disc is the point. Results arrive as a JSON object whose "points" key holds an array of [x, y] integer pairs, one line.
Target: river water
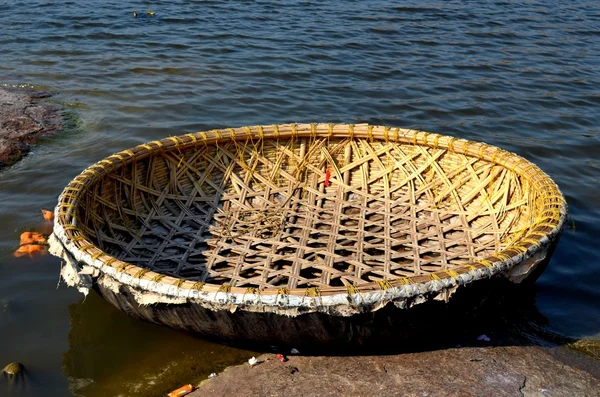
{"points": [[524, 76]]}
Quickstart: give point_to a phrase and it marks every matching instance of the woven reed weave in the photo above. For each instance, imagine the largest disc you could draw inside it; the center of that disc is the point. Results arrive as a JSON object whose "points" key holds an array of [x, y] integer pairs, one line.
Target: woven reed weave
{"points": [[307, 210]]}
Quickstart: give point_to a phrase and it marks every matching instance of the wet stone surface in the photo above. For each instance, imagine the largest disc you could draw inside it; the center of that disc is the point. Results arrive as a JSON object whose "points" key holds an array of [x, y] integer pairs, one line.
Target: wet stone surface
{"points": [[24, 119]]}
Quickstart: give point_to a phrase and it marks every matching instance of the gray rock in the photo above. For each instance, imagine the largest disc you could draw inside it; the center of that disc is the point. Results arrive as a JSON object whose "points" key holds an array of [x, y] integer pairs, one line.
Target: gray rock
{"points": [[11, 150], [24, 119], [470, 371]]}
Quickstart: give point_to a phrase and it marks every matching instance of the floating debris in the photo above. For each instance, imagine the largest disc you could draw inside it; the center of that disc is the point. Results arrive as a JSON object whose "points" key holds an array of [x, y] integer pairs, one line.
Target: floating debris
{"points": [[31, 243], [182, 391], [13, 369], [48, 215], [135, 14], [32, 238], [150, 12], [484, 338], [31, 250]]}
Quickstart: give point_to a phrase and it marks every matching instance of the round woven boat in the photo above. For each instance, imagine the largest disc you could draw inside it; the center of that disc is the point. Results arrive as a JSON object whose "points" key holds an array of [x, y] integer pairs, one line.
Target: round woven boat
{"points": [[279, 231]]}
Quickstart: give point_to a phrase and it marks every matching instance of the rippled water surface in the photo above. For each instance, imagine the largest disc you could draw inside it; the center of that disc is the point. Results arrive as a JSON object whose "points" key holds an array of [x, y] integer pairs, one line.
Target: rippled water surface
{"points": [[521, 75]]}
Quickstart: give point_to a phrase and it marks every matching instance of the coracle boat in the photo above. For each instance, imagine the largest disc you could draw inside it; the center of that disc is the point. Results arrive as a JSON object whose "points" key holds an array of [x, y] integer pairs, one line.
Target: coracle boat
{"points": [[297, 233]]}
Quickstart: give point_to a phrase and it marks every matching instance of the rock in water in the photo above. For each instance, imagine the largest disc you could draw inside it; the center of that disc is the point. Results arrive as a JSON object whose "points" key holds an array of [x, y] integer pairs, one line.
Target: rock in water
{"points": [[13, 369], [24, 118], [11, 151]]}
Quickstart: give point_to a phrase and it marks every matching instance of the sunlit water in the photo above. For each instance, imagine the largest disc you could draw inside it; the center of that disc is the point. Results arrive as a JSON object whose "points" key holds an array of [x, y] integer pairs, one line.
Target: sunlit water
{"points": [[521, 75]]}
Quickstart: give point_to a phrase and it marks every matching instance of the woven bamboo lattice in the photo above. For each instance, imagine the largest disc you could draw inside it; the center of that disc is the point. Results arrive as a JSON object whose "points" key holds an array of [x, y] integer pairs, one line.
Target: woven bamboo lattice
{"points": [[301, 209]]}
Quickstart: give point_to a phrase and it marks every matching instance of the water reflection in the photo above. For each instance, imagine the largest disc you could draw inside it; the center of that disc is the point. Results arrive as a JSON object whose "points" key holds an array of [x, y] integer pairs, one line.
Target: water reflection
{"points": [[112, 354]]}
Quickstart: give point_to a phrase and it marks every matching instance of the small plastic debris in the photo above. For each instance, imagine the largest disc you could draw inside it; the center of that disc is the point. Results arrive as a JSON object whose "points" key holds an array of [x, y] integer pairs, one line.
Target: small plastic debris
{"points": [[182, 391], [48, 215], [484, 337], [294, 351], [150, 12], [253, 361], [135, 14], [327, 176], [213, 375], [281, 357]]}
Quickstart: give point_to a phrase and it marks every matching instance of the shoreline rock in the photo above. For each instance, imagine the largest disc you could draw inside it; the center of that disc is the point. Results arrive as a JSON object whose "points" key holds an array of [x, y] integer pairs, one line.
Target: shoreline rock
{"points": [[465, 371], [24, 119]]}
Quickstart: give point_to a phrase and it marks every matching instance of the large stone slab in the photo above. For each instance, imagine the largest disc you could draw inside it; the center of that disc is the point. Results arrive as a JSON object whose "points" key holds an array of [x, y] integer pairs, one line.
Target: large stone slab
{"points": [[468, 371], [24, 118]]}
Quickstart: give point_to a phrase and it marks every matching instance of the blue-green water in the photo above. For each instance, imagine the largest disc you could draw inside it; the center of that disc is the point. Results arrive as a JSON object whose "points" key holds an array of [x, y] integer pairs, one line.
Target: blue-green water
{"points": [[521, 75]]}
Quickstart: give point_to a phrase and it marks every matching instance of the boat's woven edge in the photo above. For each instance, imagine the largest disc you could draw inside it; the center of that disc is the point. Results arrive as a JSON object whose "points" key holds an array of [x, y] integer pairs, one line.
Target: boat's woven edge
{"points": [[341, 301], [345, 304]]}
